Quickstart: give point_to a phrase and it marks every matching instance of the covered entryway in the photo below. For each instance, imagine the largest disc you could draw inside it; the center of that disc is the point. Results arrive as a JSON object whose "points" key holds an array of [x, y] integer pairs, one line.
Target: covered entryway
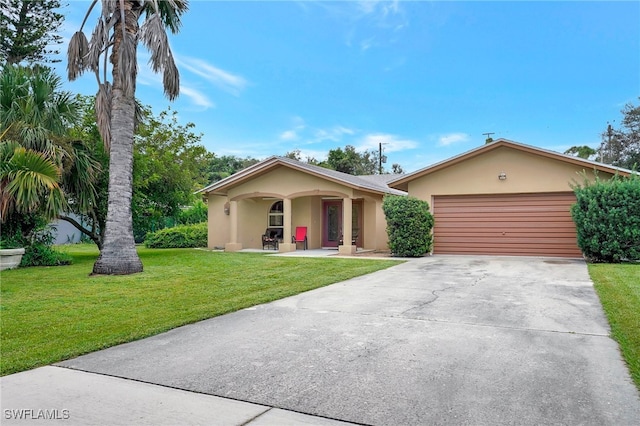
{"points": [[274, 197], [332, 222], [537, 224]]}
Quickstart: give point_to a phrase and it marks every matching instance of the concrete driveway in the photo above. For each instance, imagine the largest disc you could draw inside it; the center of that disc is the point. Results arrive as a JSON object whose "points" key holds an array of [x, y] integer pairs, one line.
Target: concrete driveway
{"points": [[438, 340]]}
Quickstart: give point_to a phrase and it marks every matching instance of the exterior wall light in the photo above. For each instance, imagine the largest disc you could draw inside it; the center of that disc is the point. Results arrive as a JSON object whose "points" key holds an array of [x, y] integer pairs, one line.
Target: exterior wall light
{"points": [[502, 176], [227, 208]]}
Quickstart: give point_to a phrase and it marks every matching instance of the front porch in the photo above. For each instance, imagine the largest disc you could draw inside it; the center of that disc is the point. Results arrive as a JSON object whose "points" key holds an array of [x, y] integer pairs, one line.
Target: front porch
{"points": [[339, 211], [327, 218]]}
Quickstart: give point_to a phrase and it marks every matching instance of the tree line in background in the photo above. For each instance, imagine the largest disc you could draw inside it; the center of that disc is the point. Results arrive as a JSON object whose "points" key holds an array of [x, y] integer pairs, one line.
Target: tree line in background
{"points": [[619, 146], [350, 161]]}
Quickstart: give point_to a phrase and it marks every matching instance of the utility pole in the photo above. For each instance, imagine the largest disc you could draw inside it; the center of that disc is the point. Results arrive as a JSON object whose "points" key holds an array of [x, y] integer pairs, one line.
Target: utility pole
{"points": [[381, 158], [489, 138]]}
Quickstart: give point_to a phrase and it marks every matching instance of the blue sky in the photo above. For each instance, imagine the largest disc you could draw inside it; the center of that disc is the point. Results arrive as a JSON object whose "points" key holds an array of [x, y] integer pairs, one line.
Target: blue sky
{"points": [[426, 78]]}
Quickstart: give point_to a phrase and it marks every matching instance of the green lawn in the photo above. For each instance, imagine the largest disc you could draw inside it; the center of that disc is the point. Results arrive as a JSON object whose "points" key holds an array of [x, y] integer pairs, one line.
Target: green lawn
{"points": [[48, 314], [618, 286]]}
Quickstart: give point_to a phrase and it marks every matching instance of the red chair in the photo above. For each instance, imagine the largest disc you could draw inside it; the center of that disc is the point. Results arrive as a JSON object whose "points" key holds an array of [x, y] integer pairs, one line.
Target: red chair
{"points": [[300, 237]]}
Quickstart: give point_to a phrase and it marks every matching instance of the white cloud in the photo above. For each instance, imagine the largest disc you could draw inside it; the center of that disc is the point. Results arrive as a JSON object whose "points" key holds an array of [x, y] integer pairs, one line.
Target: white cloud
{"points": [[367, 6], [390, 143], [293, 134], [333, 134], [366, 44], [289, 135], [198, 98], [224, 80], [451, 138]]}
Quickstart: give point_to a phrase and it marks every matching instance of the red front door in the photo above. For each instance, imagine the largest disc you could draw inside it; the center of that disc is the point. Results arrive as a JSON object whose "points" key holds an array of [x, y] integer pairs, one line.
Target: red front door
{"points": [[331, 223]]}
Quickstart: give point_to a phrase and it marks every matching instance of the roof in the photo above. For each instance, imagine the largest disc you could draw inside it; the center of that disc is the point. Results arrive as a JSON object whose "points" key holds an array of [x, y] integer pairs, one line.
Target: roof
{"points": [[365, 183], [402, 181]]}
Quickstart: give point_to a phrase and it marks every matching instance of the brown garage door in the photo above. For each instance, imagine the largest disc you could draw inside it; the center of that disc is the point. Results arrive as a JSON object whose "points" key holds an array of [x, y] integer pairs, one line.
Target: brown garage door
{"points": [[509, 224]]}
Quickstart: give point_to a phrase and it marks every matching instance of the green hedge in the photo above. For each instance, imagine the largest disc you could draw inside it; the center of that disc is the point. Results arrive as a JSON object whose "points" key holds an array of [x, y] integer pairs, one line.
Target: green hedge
{"points": [[178, 237], [607, 218], [409, 225]]}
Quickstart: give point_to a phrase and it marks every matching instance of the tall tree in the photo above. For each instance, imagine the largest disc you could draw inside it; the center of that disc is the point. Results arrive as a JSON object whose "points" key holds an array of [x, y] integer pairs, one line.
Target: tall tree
{"points": [[582, 151], [118, 31], [226, 165], [28, 31], [621, 146], [169, 166], [352, 162]]}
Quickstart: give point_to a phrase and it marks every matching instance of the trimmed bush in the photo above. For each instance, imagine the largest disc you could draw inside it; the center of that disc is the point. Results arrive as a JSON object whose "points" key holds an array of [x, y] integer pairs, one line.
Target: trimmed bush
{"points": [[607, 218], [178, 237], [409, 225]]}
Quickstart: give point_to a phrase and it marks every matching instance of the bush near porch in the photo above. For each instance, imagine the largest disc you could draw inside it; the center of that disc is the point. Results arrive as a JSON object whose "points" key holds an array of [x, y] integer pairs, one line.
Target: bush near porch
{"points": [[181, 236], [409, 225]]}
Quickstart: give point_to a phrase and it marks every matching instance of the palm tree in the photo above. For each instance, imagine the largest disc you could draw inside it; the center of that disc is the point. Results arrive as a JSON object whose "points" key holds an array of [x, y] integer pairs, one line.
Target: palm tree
{"points": [[116, 37], [34, 111], [34, 152]]}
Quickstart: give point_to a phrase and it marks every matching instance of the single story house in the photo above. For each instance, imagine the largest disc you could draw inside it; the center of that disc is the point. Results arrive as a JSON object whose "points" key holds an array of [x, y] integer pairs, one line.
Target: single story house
{"points": [[281, 194], [502, 198]]}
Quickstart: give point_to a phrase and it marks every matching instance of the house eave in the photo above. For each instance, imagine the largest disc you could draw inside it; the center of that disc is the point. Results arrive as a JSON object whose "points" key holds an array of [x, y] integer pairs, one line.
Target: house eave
{"points": [[222, 186], [403, 182]]}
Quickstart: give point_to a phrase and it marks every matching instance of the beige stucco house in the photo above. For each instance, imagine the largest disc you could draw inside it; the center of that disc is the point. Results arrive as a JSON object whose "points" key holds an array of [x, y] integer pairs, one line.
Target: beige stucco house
{"points": [[282, 194], [500, 198]]}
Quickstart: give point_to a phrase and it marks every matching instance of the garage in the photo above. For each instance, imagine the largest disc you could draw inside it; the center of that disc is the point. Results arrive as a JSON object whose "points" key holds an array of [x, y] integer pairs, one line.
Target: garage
{"points": [[504, 198], [536, 224]]}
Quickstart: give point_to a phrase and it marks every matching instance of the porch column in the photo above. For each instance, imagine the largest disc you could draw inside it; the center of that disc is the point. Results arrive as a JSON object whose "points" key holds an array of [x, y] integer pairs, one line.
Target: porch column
{"points": [[286, 245], [347, 228], [233, 245]]}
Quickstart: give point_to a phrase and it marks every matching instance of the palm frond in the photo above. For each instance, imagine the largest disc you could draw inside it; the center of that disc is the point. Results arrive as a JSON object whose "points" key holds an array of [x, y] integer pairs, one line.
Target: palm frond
{"points": [[99, 39], [81, 178], [139, 114], [29, 175], [78, 49], [128, 64], [171, 79], [169, 10], [108, 7], [103, 113], [154, 37]]}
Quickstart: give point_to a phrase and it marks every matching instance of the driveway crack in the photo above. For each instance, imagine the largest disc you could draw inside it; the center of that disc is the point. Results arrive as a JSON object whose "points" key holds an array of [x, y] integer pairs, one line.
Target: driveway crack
{"points": [[428, 302]]}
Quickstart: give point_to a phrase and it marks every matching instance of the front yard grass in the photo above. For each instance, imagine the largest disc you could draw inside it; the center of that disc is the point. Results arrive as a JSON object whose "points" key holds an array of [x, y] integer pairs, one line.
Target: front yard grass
{"points": [[618, 286], [48, 314]]}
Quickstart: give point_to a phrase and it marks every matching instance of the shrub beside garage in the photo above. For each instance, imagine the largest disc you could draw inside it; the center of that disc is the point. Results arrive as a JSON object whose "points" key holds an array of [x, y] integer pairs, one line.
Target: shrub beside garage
{"points": [[409, 225], [607, 218]]}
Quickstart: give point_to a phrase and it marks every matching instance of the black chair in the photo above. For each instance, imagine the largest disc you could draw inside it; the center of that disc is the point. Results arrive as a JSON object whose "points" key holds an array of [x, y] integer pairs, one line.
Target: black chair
{"points": [[270, 238]]}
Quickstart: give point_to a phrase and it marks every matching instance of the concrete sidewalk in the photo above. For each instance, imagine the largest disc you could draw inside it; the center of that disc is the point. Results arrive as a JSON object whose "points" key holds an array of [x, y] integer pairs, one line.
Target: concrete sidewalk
{"points": [[70, 397]]}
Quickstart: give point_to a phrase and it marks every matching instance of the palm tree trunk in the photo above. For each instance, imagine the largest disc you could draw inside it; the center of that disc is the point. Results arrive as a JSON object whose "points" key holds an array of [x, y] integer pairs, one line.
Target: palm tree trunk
{"points": [[118, 254]]}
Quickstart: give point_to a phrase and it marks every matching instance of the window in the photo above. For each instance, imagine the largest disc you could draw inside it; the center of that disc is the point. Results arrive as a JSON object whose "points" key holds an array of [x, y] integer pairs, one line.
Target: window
{"points": [[276, 216]]}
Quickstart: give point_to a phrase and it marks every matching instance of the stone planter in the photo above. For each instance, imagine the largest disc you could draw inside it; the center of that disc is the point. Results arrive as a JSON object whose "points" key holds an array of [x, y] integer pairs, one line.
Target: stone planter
{"points": [[10, 258]]}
